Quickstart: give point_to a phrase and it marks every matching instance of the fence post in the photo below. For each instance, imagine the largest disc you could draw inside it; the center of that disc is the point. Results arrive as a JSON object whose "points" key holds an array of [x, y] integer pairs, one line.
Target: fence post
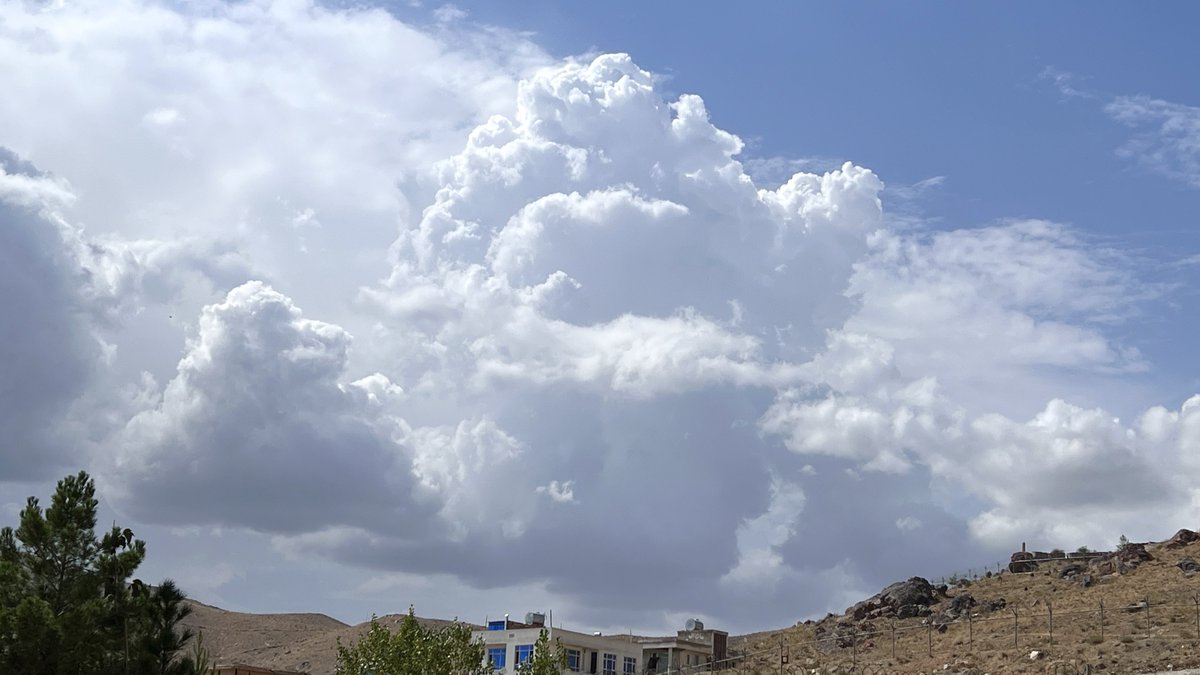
{"points": [[894, 628], [1149, 623], [1015, 628], [780, 655], [1050, 611], [971, 630], [1196, 599], [1102, 620], [930, 632], [854, 647]]}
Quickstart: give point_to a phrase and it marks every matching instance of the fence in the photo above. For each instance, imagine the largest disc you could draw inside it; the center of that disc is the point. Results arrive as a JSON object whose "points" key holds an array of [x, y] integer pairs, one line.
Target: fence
{"points": [[977, 573], [1066, 641]]}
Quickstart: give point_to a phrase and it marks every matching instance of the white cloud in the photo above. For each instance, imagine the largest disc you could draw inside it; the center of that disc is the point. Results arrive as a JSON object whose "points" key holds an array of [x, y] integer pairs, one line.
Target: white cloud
{"points": [[561, 492], [66, 294], [596, 355], [1168, 135]]}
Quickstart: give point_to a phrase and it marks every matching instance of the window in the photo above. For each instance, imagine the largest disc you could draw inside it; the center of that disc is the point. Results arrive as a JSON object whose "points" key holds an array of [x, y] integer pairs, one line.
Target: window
{"points": [[574, 660], [630, 666], [524, 653], [496, 656], [497, 625], [610, 664]]}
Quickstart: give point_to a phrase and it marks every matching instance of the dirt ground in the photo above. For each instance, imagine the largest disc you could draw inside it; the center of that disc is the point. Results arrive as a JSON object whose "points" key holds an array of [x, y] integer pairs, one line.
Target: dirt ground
{"points": [[1048, 625]]}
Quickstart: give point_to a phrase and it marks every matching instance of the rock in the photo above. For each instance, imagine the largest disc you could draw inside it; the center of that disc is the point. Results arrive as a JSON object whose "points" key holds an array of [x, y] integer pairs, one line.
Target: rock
{"points": [[1022, 562], [1085, 580], [1133, 554], [1071, 570], [1035, 655], [1122, 561], [961, 604], [1188, 566], [1182, 538], [902, 600], [996, 605]]}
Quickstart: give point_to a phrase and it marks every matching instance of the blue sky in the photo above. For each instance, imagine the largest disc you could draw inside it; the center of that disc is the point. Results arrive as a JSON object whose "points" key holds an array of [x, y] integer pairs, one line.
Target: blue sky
{"points": [[966, 91], [634, 312]]}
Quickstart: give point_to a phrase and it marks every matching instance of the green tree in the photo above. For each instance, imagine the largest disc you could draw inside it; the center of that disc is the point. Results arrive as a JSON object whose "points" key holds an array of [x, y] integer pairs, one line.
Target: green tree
{"points": [[412, 650], [545, 661], [161, 641], [67, 605]]}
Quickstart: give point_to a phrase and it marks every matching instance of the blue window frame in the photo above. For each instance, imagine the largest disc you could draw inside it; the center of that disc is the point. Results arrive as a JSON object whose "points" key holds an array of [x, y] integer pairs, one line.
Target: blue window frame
{"points": [[630, 666], [524, 653], [496, 656], [610, 664], [574, 660], [497, 625]]}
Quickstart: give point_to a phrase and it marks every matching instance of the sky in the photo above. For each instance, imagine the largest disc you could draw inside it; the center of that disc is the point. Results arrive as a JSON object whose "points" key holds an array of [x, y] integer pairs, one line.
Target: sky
{"points": [[632, 312]]}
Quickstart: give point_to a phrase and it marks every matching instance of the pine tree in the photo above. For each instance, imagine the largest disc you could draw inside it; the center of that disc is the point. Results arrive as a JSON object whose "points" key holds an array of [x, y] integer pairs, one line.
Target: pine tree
{"points": [[67, 604]]}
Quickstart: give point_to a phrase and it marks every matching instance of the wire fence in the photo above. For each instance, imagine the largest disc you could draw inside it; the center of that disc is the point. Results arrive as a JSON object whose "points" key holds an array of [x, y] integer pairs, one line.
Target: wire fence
{"points": [[899, 646], [1019, 566]]}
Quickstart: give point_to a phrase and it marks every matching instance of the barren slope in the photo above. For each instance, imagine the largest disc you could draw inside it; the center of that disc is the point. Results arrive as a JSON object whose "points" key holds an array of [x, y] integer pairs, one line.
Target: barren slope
{"points": [[297, 642], [1057, 617]]}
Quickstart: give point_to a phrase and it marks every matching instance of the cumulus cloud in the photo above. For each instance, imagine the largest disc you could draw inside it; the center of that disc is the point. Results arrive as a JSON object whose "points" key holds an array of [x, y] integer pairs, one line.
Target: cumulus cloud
{"points": [[228, 120], [598, 290], [256, 409], [65, 294], [597, 355]]}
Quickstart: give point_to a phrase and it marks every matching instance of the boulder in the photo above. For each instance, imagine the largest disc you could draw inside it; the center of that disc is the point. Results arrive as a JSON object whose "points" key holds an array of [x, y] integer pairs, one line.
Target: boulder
{"points": [[1133, 554], [995, 605], [1071, 570], [1181, 538], [901, 600], [1188, 566], [1122, 561], [961, 605]]}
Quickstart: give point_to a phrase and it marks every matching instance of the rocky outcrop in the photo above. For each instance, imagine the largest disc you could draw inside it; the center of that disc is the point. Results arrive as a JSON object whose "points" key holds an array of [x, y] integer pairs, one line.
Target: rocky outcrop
{"points": [[961, 605], [1188, 566], [900, 600], [1181, 538], [1122, 561], [1071, 570]]}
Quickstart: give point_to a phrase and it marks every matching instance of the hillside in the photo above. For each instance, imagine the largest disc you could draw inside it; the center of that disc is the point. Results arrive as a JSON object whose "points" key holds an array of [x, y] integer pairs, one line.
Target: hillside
{"points": [[295, 642], [1151, 621]]}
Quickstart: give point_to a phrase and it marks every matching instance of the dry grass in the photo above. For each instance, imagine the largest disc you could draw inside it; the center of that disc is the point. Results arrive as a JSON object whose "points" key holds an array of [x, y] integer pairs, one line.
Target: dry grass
{"points": [[1167, 634], [294, 642]]}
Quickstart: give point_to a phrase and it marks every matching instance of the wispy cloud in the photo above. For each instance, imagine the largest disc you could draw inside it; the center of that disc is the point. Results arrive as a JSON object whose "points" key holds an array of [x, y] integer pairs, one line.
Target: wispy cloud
{"points": [[1066, 82], [916, 190], [1167, 135]]}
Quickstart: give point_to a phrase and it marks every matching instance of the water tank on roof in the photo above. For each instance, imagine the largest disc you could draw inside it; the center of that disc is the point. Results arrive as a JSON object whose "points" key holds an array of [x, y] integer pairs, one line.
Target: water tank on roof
{"points": [[535, 618], [693, 624]]}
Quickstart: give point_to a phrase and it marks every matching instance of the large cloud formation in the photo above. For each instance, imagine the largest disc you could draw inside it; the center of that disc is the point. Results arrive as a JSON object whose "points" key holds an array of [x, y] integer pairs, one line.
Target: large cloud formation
{"points": [[597, 358]]}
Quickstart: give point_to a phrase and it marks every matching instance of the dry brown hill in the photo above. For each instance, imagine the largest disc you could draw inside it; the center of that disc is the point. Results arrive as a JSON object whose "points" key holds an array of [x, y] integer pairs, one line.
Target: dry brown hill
{"points": [[1049, 619], [304, 643], [1131, 611]]}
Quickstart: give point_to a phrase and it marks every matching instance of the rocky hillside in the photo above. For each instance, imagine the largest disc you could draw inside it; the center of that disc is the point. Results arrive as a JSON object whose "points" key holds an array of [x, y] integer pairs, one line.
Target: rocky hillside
{"points": [[1135, 610]]}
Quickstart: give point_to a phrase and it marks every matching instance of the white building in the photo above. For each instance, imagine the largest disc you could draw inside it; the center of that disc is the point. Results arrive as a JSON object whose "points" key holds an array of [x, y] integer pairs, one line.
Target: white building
{"points": [[508, 643]]}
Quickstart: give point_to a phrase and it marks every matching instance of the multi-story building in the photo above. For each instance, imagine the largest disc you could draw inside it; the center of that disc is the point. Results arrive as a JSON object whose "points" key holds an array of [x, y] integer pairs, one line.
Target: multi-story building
{"points": [[509, 643]]}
